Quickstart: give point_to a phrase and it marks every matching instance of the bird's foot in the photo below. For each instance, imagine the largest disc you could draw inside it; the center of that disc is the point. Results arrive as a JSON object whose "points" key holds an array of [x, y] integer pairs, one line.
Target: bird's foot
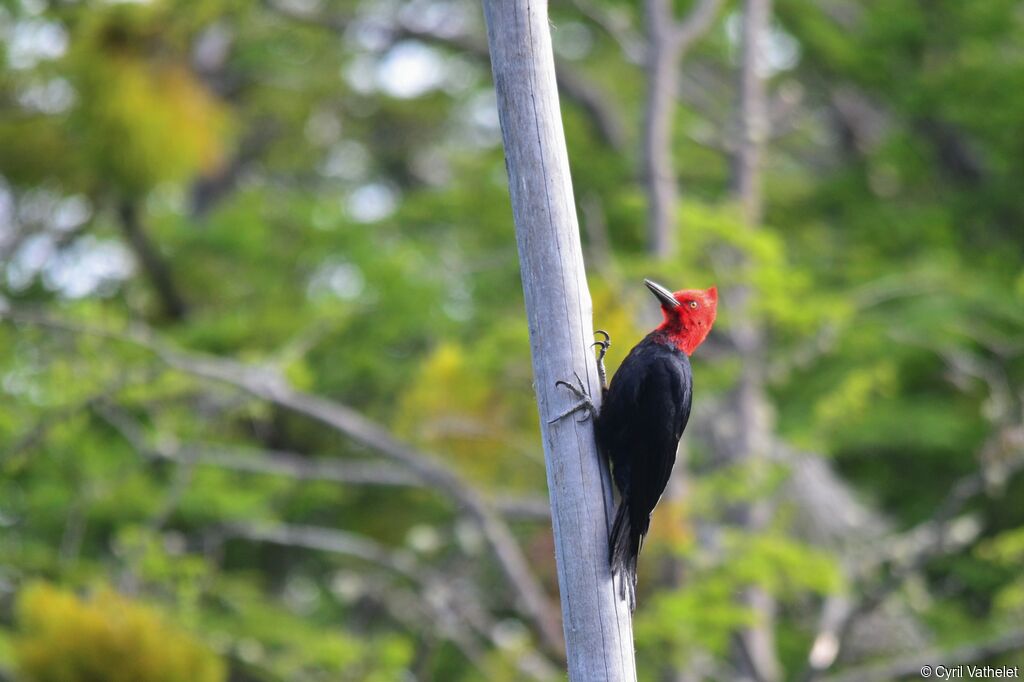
{"points": [[585, 403], [604, 345]]}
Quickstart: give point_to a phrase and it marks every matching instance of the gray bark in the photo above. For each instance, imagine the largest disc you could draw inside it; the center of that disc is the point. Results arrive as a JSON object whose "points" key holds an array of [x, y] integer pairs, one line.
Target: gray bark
{"points": [[598, 631], [659, 111], [667, 42], [753, 110], [751, 405]]}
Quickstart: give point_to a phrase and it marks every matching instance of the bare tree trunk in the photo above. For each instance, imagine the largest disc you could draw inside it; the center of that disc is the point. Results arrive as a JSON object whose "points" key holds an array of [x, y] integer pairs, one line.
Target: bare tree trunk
{"points": [[598, 631], [753, 110], [667, 42], [751, 403], [662, 65]]}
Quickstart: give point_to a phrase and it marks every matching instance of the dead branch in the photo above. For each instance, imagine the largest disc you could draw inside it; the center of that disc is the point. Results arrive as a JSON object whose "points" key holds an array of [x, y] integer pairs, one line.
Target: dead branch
{"points": [[577, 88], [267, 384], [454, 610], [908, 666], [294, 465], [909, 553]]}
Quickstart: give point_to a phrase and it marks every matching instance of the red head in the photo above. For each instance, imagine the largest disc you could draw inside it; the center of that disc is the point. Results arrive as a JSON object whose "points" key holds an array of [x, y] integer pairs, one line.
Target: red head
{"points": [[689, 315]]}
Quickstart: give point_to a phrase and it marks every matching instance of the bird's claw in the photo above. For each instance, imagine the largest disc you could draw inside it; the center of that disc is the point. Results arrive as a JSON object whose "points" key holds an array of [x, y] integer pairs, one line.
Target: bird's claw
{"points": [[585, 403], [579, 390], [604, 345]]}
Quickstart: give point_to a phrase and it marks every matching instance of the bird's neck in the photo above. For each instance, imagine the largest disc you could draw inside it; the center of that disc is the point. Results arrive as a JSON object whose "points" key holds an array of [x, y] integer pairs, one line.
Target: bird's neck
{"points": [[678, 335]]}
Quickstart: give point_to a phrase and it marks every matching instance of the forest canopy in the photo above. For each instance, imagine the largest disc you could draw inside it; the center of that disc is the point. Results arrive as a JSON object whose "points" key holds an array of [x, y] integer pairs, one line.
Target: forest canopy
{"points": [[266, 409]]}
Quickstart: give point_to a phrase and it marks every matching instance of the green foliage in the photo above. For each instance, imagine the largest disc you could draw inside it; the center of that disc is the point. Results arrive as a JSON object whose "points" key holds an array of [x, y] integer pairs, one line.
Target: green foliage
{"points": [[140, 118], [66, 639], [700, 616], [323, 223], [682, 622], [477, 417], [285, 646], [145, 124], [1006, 551]]}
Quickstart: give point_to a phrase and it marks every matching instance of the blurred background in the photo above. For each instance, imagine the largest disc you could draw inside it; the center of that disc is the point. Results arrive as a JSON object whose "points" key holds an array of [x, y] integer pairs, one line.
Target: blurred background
{"points": [[265, 382]]}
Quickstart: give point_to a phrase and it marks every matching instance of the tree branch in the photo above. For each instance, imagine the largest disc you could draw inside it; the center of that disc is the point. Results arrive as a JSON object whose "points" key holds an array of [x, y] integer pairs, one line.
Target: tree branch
{"points": [[37, 433], [209, 190], [267, 384], [576, 88], [588, 96], [616, 25], [452, 608], [911, 665], [295, 466], [152, 262], [695, 25], [913, 549]]}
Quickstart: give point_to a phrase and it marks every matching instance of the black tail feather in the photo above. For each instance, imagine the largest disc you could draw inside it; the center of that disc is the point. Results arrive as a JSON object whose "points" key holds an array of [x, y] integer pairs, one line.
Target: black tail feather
{"points": [[623, 549]]}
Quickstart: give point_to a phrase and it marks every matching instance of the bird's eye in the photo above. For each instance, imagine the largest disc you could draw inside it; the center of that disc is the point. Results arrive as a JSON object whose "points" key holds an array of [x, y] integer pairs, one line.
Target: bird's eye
{"points": [[693, 304]]}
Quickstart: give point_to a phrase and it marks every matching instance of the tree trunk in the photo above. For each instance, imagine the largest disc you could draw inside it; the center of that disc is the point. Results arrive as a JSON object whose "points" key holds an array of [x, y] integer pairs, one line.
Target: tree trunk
{"points": [[598, 631], [659, 172], [667, 42], [751, 402], [753, 110]]}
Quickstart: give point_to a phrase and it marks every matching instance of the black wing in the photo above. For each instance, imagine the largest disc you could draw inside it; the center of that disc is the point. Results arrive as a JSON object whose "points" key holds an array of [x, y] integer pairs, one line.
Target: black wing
{"points": [[642, 418]]}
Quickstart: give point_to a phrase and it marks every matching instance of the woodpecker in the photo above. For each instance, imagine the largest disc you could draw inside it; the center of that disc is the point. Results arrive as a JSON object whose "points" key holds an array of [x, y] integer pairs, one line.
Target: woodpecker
{"points": [[643, 414]]}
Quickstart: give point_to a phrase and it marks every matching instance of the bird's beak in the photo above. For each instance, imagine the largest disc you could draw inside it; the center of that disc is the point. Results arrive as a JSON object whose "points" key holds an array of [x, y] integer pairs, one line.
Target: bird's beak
{"points": [[663, 294]]}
